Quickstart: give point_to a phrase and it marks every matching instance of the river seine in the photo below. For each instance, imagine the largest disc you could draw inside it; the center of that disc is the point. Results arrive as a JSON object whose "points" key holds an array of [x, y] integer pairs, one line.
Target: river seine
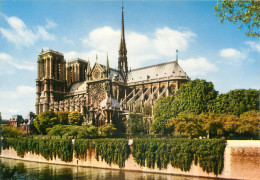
{"points": [[41, 171]]}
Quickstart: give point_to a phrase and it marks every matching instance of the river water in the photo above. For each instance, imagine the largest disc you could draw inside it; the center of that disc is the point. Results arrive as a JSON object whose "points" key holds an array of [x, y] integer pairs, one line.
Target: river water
{"points": [[42, 171]]}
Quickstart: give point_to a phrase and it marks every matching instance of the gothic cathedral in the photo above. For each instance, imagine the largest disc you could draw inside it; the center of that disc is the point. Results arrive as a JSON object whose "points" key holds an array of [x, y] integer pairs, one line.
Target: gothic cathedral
{"points": [[103, 94]]}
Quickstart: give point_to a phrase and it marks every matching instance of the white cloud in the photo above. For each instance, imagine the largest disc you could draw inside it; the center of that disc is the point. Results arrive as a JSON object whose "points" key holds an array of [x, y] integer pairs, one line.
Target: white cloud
{"points": [[197, 66], [5, 57], [21, 91], [168, 40], [21, 35], [7, 63], [42, 33], [255, 46], [232, 56], [232, 53], [161, 45], [50, 24], [9, 108]]}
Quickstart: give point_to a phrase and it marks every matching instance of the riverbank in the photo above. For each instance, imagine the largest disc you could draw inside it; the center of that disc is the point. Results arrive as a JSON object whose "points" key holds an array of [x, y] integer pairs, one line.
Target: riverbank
{"points": [[241, 161]]}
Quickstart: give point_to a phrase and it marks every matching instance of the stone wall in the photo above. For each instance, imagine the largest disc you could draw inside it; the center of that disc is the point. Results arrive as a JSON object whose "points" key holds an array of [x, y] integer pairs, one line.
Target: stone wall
{"points": [[242, 161]]}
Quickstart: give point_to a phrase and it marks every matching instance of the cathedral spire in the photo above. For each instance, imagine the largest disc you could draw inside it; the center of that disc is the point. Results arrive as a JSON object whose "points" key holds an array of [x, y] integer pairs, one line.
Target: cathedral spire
{"points": [[107, 67], [107, 62], [122, 59], [177, 55], [122, 30]]}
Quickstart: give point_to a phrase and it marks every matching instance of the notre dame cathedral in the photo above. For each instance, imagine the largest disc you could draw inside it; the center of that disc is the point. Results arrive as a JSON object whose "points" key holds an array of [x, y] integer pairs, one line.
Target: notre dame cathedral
{"points": [[103, 94]]}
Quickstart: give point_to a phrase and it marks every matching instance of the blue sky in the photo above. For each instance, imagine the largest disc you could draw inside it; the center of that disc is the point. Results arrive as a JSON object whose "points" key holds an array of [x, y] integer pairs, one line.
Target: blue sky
{"points": [[154, 30]]}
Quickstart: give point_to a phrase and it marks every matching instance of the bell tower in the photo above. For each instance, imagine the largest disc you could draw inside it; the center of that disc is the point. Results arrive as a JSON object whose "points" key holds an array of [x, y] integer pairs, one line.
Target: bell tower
{"points": [[51, 80], [122, 59]]}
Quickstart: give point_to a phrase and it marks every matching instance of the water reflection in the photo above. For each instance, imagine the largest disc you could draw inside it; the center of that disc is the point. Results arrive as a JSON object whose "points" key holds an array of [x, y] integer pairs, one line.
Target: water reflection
{"points": [[40, 171]]}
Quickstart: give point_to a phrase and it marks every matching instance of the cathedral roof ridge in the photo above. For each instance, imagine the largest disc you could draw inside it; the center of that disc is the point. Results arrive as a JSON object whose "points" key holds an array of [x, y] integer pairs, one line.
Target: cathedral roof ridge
{"points": [[154, 65]]}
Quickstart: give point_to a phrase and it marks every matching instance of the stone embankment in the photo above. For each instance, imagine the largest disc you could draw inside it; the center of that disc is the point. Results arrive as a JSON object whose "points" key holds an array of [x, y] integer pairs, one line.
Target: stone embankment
{"points": [[242, 161]]}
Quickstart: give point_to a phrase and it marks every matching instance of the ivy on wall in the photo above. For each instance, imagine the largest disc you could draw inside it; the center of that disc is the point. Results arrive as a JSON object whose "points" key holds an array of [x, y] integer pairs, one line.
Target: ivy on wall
{"points": [[110, 150], [180, 153], [48, 148]]}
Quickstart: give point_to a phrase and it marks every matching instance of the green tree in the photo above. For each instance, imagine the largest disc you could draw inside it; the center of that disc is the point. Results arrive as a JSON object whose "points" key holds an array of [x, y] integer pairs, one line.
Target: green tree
{"points": [[162, 113], [75, 118], [11, 132], [241, 12], [58, 130], [63, 117], [187, 124], [194, 97], [249, 124], [73, 130], [212, 124], [136, 123], [236, 102], [107, 130], [44, 120], [230, 124], [88, 131]]}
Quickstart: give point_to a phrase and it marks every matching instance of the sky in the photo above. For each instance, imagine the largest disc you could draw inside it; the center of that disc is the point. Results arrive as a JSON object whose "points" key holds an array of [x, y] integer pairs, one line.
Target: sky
{"points": [[208, 50]]}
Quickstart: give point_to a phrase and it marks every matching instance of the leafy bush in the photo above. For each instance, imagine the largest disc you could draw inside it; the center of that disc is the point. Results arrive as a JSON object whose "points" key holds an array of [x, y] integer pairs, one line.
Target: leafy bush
{"points": [[88, 132], [58, 130], [75, 118], [136, 124], [63, 117], [44, 120], [9, 131], [107, 130]]}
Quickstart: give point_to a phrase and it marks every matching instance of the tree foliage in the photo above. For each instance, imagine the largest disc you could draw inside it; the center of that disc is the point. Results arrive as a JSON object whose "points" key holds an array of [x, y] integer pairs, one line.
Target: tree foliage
{"points": [[107, 130], [75, 118], [219, 114], [187, 124], [193, 97], [58, 130], [250, 123], [236, 102], [217, 125], [63, 117], [136, 124], [88, 131], [11, 132], [44, 120], [241, 12], [162, 113]]}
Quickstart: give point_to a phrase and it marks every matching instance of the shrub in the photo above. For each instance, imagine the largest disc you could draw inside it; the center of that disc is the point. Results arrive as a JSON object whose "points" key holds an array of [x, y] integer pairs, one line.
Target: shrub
{"points": [[75, 118]]}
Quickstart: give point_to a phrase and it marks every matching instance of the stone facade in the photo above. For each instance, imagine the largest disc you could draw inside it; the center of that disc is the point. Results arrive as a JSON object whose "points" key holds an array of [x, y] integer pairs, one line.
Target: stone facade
{"points": [[103, 94]]}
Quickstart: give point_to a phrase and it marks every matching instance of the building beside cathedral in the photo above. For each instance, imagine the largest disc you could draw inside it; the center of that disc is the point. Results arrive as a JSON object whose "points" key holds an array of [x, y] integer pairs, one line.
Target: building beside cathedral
{"points": [[103, 94]]}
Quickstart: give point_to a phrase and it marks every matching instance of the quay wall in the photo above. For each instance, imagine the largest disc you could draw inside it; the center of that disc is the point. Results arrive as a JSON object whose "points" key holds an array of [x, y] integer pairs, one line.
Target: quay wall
{"points": [[241, 161]]}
